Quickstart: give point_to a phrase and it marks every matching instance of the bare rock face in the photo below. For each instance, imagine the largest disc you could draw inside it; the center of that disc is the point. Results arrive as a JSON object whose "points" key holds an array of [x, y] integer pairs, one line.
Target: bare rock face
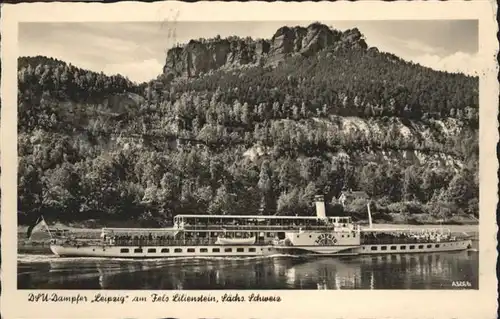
{"points": [[198, 57], [174, 63], [283, 41], [353, 38], [299, 40], [300, 33], [241, 53], [219, 52], [318, 37], [262, 47]]}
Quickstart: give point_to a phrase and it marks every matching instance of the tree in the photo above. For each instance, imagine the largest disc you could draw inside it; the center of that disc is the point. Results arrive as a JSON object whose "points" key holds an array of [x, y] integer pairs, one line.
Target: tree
{"points": [[223, 202], [288, 202], [411, 184], [29, 188], [461, 189], [265, 186]]}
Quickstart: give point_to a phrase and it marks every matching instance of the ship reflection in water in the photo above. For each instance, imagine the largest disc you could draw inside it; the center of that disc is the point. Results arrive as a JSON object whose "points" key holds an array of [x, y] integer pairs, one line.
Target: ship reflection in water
{"points": [[416, 271]]}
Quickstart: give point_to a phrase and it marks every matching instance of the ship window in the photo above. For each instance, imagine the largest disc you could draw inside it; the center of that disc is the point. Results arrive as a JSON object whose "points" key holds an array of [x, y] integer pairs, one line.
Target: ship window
{"points": [[348, 236], [124, 250], [240, 250], [402, 247], [374, 248], [342, 236], [353, 235], [228, 250], [310, 236], [429, 246], [393, 247], [412, 246], [383, 248], [190, 250], [420, 246], [164, 250], [437, 246], [203, 250], [215, 250], [138, 250], [252, 250], [151, 250], [177, 250]]}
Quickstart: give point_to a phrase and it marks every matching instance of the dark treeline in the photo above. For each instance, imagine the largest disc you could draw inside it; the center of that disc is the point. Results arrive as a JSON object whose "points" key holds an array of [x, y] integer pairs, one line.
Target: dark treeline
{"points": [[248, 141], [40, 75], [346, 82]]}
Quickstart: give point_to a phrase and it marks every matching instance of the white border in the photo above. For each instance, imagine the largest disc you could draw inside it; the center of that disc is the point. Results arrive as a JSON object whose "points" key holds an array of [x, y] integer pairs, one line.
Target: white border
{"points": [[296, 304]]}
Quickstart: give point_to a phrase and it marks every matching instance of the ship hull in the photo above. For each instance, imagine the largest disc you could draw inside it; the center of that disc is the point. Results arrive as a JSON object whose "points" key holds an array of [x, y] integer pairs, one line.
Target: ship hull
{"points": [[252, 250], [336, 250], [161, 251], [381, 249]]}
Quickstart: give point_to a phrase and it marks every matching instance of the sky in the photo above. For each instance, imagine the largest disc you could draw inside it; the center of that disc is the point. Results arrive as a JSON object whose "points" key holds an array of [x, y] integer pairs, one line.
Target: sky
{"points": [[138, 49]]}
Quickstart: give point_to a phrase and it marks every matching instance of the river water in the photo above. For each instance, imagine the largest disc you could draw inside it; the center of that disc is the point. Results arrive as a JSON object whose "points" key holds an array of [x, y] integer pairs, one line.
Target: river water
{"points": [[399, 271]]}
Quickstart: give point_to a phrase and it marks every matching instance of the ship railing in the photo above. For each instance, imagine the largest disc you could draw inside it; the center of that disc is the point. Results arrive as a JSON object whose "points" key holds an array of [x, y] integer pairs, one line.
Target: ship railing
{"points": [[260, 227], [153, 242], [410, 231], [389, 241], [160, 242], [80, 242]]}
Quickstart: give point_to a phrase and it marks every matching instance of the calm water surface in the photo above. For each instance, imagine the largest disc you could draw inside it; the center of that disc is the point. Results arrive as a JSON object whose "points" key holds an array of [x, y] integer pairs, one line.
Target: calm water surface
{"points": [[402, 271]]}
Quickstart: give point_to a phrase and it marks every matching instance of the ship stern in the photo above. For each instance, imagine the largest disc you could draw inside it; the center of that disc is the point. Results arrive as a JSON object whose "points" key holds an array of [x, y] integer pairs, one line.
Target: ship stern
{"points": [[55, 249]]}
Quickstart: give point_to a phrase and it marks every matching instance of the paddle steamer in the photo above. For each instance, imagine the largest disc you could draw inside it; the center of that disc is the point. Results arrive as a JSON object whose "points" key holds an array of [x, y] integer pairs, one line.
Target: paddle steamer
{"points": [[230, 235]]}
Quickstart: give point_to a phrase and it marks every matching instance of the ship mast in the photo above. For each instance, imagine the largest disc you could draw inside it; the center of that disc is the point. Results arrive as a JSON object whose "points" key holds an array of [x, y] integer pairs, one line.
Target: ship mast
{"points": [[369, 216]]}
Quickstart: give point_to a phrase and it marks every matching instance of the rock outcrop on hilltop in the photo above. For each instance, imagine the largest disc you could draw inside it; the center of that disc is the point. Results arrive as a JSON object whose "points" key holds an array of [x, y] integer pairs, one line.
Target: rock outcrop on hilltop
{"points": [[201, 56]]}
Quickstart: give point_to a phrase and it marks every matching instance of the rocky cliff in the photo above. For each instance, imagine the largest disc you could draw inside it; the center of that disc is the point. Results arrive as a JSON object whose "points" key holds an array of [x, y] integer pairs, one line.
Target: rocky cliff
{"points": [[201, 56]]}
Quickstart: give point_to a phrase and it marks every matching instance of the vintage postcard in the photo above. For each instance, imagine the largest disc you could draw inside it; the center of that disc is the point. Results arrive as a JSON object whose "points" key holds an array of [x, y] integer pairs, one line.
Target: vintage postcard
{"points": [[230, 160]]}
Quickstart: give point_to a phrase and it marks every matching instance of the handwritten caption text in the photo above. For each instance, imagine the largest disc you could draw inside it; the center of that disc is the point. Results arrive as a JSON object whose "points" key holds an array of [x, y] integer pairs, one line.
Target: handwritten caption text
{"points": [[153, 297]]}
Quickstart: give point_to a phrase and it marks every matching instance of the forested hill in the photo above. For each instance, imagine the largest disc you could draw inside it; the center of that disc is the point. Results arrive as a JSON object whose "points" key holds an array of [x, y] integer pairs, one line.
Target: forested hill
{"points": [[250, 126]]}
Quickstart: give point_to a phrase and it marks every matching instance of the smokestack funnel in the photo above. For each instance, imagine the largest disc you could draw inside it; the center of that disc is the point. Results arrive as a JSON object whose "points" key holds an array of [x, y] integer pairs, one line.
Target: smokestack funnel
{"points": [[320, 206]]}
